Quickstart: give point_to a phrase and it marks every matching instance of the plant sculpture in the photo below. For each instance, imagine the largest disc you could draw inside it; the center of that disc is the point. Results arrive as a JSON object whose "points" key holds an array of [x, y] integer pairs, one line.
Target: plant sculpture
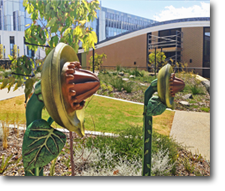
{"points": [[166, 85], [63, 88]]}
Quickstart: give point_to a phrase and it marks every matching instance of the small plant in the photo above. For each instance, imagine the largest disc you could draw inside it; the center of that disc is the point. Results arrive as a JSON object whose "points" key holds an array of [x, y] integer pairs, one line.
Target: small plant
{"points": [[52, 167], [161, 163], [98, 61], [5, 135], [5, 163], [195, 89], [188, 166], [117, 83], [128, 86]]}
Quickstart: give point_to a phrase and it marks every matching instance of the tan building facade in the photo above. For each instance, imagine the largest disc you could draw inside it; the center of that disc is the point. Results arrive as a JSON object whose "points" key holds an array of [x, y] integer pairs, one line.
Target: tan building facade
{"points": [[189, 42]]}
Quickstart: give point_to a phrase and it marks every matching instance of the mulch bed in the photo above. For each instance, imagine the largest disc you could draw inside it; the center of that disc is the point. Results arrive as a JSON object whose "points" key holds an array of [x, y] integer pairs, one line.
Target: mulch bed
{"points": [[188, 164]]}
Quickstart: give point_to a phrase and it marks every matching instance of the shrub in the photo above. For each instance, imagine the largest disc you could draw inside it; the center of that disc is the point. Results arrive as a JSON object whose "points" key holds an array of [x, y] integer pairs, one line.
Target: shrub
{"points": [[196, 89], [117, 83], [128, 86]]}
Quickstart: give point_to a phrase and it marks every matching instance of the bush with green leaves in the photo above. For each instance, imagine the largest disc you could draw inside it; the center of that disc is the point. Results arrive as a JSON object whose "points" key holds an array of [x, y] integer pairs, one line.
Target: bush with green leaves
{"points": [[117, 83], [98, 61]]}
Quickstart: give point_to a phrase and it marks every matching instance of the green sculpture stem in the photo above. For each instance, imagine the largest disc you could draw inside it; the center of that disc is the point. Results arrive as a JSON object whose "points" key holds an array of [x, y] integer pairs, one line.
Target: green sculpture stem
{"points": [[147, 131], [37, 171], [34, 114]]}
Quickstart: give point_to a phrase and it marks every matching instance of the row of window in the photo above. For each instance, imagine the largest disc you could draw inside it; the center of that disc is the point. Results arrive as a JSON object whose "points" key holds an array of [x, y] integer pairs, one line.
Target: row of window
{"points": [[30, 53]]}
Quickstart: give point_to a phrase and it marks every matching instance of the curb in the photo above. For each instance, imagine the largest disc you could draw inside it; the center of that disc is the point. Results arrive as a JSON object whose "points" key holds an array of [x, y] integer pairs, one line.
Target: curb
{"points": [[118, 99], [11, 97], [67, 131]]}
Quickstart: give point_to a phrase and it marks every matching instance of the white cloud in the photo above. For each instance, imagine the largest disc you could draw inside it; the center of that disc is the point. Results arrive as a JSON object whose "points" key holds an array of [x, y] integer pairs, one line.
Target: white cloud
{"points": [[171, 12]]}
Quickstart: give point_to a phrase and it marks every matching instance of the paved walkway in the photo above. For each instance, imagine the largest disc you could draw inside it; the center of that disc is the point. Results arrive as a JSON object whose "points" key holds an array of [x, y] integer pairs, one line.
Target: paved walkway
{"points": [[191, 129], [5, 95]]}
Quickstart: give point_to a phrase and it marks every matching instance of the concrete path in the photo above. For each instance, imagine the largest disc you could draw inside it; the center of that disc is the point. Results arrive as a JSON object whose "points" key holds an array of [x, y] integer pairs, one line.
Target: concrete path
{"points": [[192, 129], [5, 95]]}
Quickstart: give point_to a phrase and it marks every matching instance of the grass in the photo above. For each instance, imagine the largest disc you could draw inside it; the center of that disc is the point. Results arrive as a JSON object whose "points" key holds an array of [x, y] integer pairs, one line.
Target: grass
{"points": [[108, 115]]}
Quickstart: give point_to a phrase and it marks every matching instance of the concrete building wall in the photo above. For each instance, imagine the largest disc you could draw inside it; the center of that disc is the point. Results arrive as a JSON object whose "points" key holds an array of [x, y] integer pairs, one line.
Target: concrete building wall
{"points": [[192, 46], [5, 40], [124, 53]]}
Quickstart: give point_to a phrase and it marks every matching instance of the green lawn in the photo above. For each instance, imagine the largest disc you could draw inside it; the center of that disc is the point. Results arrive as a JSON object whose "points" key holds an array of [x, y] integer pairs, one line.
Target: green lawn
{"points": [[101, 114]]}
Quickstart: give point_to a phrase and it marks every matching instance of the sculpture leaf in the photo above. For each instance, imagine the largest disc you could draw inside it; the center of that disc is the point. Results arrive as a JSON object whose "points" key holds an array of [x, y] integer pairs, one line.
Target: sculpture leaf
{"points": [[41, 144], [155, 107]]}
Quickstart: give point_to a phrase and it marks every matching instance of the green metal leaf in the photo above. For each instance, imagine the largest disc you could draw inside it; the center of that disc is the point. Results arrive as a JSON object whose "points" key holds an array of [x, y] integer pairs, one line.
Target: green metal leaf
{"points": [[148, 165], [41, 144], [146, 152], [149, 132], [147, 140], [155, 107], [146, 174], [149, 122]]}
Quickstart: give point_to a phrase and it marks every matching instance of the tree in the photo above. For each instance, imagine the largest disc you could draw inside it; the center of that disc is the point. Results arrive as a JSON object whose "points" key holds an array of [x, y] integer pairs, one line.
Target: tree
{"points": [[160, 58], [1, 51], [52, 22], [98, 61], [65, 23]]}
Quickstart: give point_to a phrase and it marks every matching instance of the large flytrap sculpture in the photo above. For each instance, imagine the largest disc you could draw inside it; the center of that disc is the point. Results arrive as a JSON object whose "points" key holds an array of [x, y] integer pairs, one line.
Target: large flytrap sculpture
{"points": [[63, 88], [166, 85]]}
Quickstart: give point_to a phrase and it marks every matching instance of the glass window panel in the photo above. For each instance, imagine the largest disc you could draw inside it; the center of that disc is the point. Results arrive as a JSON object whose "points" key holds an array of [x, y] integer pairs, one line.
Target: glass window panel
{"points": [[16, 6]]}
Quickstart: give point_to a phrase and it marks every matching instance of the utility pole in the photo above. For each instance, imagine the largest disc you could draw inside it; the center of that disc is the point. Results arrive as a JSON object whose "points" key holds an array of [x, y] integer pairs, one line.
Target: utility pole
{"points": [[93, 55]]}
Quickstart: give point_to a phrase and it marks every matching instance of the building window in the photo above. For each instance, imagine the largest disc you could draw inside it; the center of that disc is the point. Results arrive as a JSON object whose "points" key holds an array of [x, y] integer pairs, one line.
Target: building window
{"points": [[169, 38], [206, 52], [12, 42], [14, 20], [0, 19], [30, 53]]}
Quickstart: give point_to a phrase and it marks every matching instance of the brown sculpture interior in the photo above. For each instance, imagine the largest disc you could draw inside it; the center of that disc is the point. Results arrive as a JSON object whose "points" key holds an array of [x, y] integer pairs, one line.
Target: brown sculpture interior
{"points": [[77, 85], [176, 85]]}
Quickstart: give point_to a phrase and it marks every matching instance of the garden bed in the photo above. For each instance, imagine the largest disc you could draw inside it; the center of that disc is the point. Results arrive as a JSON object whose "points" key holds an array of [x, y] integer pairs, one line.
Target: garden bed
{"points": [[87, 163], [127, 86]]}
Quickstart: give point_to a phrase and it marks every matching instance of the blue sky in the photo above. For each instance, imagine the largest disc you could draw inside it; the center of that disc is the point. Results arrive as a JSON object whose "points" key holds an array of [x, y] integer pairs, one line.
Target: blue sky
{"points": [[161, 10]]}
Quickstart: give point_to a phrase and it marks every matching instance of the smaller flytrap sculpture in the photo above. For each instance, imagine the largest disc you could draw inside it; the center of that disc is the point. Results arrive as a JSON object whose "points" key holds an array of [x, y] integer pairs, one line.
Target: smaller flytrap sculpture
{"points": [[63, 88], [166, 85]]}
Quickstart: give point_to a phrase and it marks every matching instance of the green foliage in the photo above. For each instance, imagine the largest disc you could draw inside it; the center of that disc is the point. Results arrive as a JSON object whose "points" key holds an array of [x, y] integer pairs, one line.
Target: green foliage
{"points": [[160, 58], [117, 83], [20, 67], [205, 109], [128, 86], [5, 163], [1, 51], [98, 61], [136, 72], [196, 89], [65, 23], [15, 51], [129, 144]]}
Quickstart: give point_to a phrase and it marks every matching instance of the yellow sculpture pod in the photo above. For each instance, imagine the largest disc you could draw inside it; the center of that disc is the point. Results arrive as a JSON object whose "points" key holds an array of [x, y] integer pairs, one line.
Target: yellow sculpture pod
{"points": [[168, 85], [51, 87], [163, 85]]}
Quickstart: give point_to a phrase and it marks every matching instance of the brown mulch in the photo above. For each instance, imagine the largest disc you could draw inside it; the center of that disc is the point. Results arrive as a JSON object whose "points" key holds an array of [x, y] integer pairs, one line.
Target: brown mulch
{"points": [[187, 164]]}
